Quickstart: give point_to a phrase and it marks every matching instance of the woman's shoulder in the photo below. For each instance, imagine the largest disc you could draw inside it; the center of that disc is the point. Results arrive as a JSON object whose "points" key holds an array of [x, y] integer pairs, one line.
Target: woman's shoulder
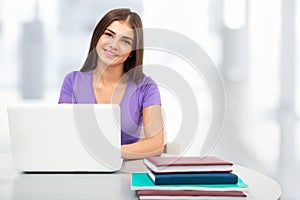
{"points": [[146, 84], [71, 76], [145, 80]]}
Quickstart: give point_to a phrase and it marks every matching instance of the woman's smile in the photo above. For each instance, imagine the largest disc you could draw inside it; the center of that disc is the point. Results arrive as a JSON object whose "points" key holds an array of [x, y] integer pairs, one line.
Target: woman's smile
{"points": [[110, 54]]}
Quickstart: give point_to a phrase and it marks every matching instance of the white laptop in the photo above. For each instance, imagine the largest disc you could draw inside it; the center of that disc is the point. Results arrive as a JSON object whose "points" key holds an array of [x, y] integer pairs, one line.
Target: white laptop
{"points": [[65, 137]]}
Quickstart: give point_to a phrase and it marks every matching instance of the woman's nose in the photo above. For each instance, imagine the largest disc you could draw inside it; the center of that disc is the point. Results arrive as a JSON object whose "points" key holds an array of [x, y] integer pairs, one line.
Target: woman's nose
{"points": [[114, 43]]}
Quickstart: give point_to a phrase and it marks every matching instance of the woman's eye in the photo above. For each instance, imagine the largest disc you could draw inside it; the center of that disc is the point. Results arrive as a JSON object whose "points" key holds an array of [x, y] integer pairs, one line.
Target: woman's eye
{"points": [[108, 34], [127, 42]]}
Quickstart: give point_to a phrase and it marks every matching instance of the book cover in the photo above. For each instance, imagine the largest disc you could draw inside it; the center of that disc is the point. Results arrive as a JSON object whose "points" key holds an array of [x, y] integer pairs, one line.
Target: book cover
{"points": [[189, 198], [193, 178], [187, 163], [189, 194], [141, 181]]}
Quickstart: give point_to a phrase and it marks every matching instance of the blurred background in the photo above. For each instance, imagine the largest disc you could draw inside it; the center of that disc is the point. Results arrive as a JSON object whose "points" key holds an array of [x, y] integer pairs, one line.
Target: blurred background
{"points": [[254, 44]]}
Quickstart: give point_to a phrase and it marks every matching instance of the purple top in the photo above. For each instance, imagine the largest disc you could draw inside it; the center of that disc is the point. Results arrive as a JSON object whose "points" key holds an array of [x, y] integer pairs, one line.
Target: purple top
{"points": [[78, 88]]}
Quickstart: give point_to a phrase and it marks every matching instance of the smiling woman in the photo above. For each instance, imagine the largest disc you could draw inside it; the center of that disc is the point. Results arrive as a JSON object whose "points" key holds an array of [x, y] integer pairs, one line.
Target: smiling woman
{"points": [[113, 74], [115, 45]]}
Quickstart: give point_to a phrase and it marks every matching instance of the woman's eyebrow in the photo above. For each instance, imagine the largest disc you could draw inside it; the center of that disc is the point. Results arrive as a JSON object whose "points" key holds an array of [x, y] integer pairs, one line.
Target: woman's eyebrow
{"points": [[127, 37], [110, 31], [123, 36]]}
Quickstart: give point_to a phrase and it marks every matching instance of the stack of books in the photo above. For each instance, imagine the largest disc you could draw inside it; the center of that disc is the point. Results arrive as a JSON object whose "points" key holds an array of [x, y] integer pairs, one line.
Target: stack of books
{"points": [[188, 178]]}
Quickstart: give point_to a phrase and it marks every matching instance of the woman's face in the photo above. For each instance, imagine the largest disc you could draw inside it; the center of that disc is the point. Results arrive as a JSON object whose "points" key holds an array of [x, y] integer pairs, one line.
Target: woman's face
{"points": [[116, 43]]}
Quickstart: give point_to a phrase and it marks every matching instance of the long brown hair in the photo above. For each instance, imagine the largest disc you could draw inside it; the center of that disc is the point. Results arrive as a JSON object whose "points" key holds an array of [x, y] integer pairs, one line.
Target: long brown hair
{"points": [[135, 61]]}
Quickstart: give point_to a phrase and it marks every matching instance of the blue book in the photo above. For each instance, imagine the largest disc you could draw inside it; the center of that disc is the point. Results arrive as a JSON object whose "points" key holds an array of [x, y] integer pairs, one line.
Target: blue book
{"points": [[141, 181], [193, 178]]}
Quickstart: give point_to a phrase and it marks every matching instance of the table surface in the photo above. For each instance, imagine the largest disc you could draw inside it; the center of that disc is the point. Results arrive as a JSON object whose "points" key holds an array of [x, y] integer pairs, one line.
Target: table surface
{"points": [[61, 186]]}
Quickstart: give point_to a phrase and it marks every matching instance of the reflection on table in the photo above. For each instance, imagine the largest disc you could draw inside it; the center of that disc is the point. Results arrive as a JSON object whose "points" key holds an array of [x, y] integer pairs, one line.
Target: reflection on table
{"points": [[64, 186], [71, 186]]}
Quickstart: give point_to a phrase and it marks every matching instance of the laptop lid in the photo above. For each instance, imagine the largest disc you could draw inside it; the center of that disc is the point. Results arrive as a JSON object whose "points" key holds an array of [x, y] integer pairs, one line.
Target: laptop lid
{"points": [[65, 137]]}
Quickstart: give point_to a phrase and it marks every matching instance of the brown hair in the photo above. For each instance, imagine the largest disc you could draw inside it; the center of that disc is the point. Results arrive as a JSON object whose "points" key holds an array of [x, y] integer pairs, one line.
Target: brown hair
{"points": [[135, 61]]}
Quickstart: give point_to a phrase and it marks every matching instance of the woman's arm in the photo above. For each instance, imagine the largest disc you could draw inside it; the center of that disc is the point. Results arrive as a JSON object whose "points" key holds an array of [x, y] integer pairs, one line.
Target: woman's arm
{"points": [[153, 143]]}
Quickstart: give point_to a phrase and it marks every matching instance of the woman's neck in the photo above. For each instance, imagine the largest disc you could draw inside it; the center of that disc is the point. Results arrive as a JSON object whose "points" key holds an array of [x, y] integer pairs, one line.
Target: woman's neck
{"points": [[107, 75]]}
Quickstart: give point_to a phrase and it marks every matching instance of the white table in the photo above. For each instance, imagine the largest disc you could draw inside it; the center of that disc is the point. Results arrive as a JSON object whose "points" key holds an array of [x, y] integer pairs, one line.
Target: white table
{"points": [[18, 186]]}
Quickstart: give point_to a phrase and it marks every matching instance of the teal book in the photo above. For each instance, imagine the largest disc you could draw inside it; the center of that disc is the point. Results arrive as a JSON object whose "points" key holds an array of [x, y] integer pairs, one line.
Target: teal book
{"points": [[141, 181]]}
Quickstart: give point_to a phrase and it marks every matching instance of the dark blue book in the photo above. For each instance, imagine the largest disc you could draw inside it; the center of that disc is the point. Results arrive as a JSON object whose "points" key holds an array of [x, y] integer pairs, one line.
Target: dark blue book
{"points": [[193, 178]]}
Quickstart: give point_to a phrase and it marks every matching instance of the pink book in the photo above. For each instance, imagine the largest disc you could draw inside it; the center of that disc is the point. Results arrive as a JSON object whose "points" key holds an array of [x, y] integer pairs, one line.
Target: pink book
{"points": [[187, 164], [189, 193]]}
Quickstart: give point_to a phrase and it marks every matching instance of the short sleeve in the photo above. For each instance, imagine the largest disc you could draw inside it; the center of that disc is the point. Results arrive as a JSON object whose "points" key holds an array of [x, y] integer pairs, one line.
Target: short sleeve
{"points": [[150, 91], [66, 92]]}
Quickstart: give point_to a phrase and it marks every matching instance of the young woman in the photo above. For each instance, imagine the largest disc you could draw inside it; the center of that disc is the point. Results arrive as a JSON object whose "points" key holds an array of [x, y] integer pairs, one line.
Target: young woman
{"points": [[113, 73]]}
